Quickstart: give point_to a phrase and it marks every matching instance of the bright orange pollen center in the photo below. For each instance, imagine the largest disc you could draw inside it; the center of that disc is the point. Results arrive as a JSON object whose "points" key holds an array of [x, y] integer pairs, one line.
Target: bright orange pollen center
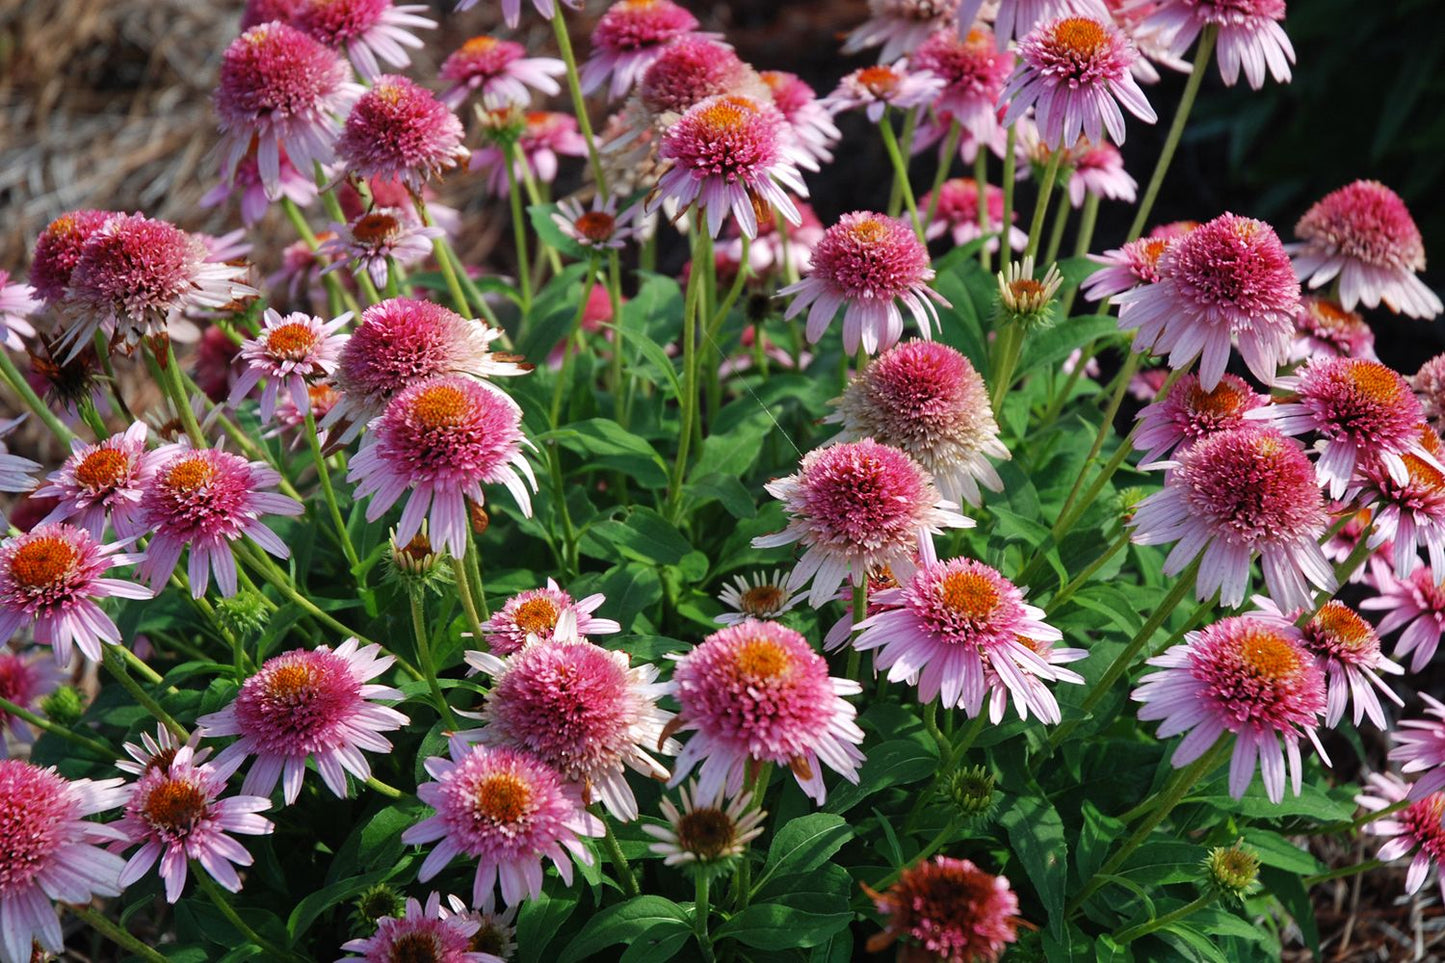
{"points": [[1154, 250], [289, 681], [1223, 400], [1026, 288], [375, 228], [977, 38], [391, 93], [1423, 474], [440, 406], [762, 659], [1333, 314], [595, 225], [64, 224], [291, 342], [1342, 624], [761, 599], [631, 5], [1268, 655], [537, 616], [190, 475], [479, 45], [880, 81], [502, 798], [869, 231], [1374, 380], [969, 594], [726, 114], [43, 562], [1081, 35], [175, 805], [101, 468]]}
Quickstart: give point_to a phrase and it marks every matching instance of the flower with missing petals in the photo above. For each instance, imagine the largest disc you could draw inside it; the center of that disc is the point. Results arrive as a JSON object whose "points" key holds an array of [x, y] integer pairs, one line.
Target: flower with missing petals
{"points": [[375, 239], [1250, 677], [290, 353], [1418, 828], [951, 909], [367, 30], [102, 480], [398, 129], [1250, 35], [1324, 327], [498, 70], [956, 214], [764, 596]]}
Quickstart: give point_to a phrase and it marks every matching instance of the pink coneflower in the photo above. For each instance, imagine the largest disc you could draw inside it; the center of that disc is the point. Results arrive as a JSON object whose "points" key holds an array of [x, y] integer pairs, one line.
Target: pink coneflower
{"points": [[763, 596], [957, 621], [290, 352], [706, 832], [598, 227], [375, 239], [443, 438], [627, 40], [50, 579], [176, 815], [1420, 747], [423, 933], [874, 89], [1098, 169], [58, 249], [299, 275], [1411, 513], [687, 72], [1189, 413], [957, 215], [17, 303], [398, 129], [768, 257], [15, 471], [1229, 278], [866, 264], [245, 180], [1338, 546], [1134, 265], [156, 752], [1015, 18], [280, 91], [1419, 828], [308, 704], [206, 499], [1249, 35], [856, 507], [136, 276], [498, 70], [506, 809], [1233, 495], [952, 909], [24, 680], [1364, 235], [900, 26], [1416, 603], [102, 479], [1429, 385], [402, 341], [545, 135], [1324, 327], [731, 153], [974, 73], [365, 29], [50, 853], [496, 936], [1364, 411], [263, 11], [1248, 676], [926, 399], [812, 125], [537, 613], [757, 692], [1075, 73], [582, 710]]}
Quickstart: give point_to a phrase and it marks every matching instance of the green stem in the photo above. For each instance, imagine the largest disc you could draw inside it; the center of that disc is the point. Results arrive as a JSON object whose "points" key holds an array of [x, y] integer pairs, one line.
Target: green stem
{"points": [[1008, 350], [469, 604], [1352, 825], [223, 903], [614, 298], [535, 198], [1343, 872], [1159, 922], [619, 859], [519, 229], [701, 247], [391, 792], [40, 722], [980, 180], [944, 837], [945, 165], [273, 575], [169, 371], [323, 474], [1010, 167], [700, 911], [1083, 577], [579, 103], [32, 400], [101, 923], [900, 173], [473, 564], [859, 613], [930, 725], [1056, 235], [115, 665], [424, 658], [1041, 205]]}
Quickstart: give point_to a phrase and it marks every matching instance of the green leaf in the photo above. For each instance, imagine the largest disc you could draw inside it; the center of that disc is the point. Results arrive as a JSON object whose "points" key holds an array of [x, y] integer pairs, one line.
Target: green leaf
{"points": [[642, 917], [1163, 862], [1036, 834], [1290, 890], [730, 493], [796, 911], [1275, 850], [630, 588], [892, 763], [539, 921], [1099, 834], [612, 445], [731, 452], [1192, 945], [804, 844], [1312, 802], [319, 901], [644, 536], [1051, 346], [1077, 270]]}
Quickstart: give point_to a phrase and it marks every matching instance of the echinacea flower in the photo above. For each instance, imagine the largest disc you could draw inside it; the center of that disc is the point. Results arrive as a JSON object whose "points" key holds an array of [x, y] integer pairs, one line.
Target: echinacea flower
{"points": [[443, 438], [1249, 35], [757, 692], [763, 596], [1224, 280], [25, 679], [375, 239], [582, 710], [290, 352], [707, 832], [1420, 747], [50, 852], [368, 30], [102, 480], [57, 251], [926, 399], [509, 811], [1414, 603], [17, 303], [874, 89], [954, 911], [1188, 413], [974, 73], [422, 933], [627, 40], [308, 704], [954, 622], [857, 506], [496, 937], [1363, 235], [1362, 410], [1418, 828], [1324, 328], [1098, 170], [1074, 72], [50, 579], [498, 70], [1134, 265], [512, 9], [1250, 677], [1233, 495], [176, 813], [598, 227], [544, 136], [685, 73], [956, 214], [811, 122], [900, 26], [866, 264], [156, 752], [1411, 513], [398, 129], [245, 181], [731, 154], [279, 92], [537, 613]]}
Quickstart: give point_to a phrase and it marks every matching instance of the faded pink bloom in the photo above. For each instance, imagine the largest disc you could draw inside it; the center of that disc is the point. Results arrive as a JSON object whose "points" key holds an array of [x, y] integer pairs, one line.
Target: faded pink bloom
{"points": [[25, 679], [707, 831], [598, 227], [398, 129], [1324, 327], [57, 250], [1429, 385], [246, 181], [763, 596], [1419, 828], [498, 70], [1410, 513], [536, 613], [874, 89], [545, 135], [811, 122], [955, 911], [378, 237], [974, 73], [957, 215], [1249, 35], [1098, 169], [1015, 18], [900, 26], [367, 30], [100, 480], [1134, 265], [17, 303], [426, 933], [290, 353]]}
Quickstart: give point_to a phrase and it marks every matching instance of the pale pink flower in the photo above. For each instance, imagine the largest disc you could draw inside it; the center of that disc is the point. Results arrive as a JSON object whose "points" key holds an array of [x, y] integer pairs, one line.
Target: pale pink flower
{"points": [[1324, 327], [757, 692], [706, 830], [1415, 603], [1134, 265], [498, 70], [812, 124], [423, 933], [158, 751], [599, 227], [952, 909], [1098, 169], [100, 480], [496, 937], [900, 26], [874, 89], [308, 704], [545, 135], [508, 810], [17, 303], [512, 9], [957, 215], [398, 129], [245, 180], [1420, 747], [763, 596], [1015, 18], [50, 853], [1250, 35], [856, 507], [25, 679], [974, 73], [290, 353], [1411, 513], [368, 30], [1419, 828], [1189, 413], [537, 613], [373, 240], [1246, 676], [627, 40]]}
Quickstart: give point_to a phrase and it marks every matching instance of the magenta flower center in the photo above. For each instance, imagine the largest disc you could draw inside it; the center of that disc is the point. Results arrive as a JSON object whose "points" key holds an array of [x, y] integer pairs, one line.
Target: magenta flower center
{"points": [[1361, 400], [482, 57], [274, 69], [1257, 675], [688, 72], [1233, 262], [34, 807], [728, 137], [871, 256], [1236, 12], [1253, 487], [337, 21], [635, 24], [867, 496]]}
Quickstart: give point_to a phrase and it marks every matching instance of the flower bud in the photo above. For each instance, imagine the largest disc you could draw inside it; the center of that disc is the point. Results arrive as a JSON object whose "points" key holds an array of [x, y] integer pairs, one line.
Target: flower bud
{"points": [[243, 614], [971, 791], [374, 903], [64, 706], [1025, 300], [1232, 870]]}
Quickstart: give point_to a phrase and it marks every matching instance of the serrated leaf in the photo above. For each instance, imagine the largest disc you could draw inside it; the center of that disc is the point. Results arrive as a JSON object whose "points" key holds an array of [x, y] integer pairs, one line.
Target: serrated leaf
{"points": [[1053, 345]]}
